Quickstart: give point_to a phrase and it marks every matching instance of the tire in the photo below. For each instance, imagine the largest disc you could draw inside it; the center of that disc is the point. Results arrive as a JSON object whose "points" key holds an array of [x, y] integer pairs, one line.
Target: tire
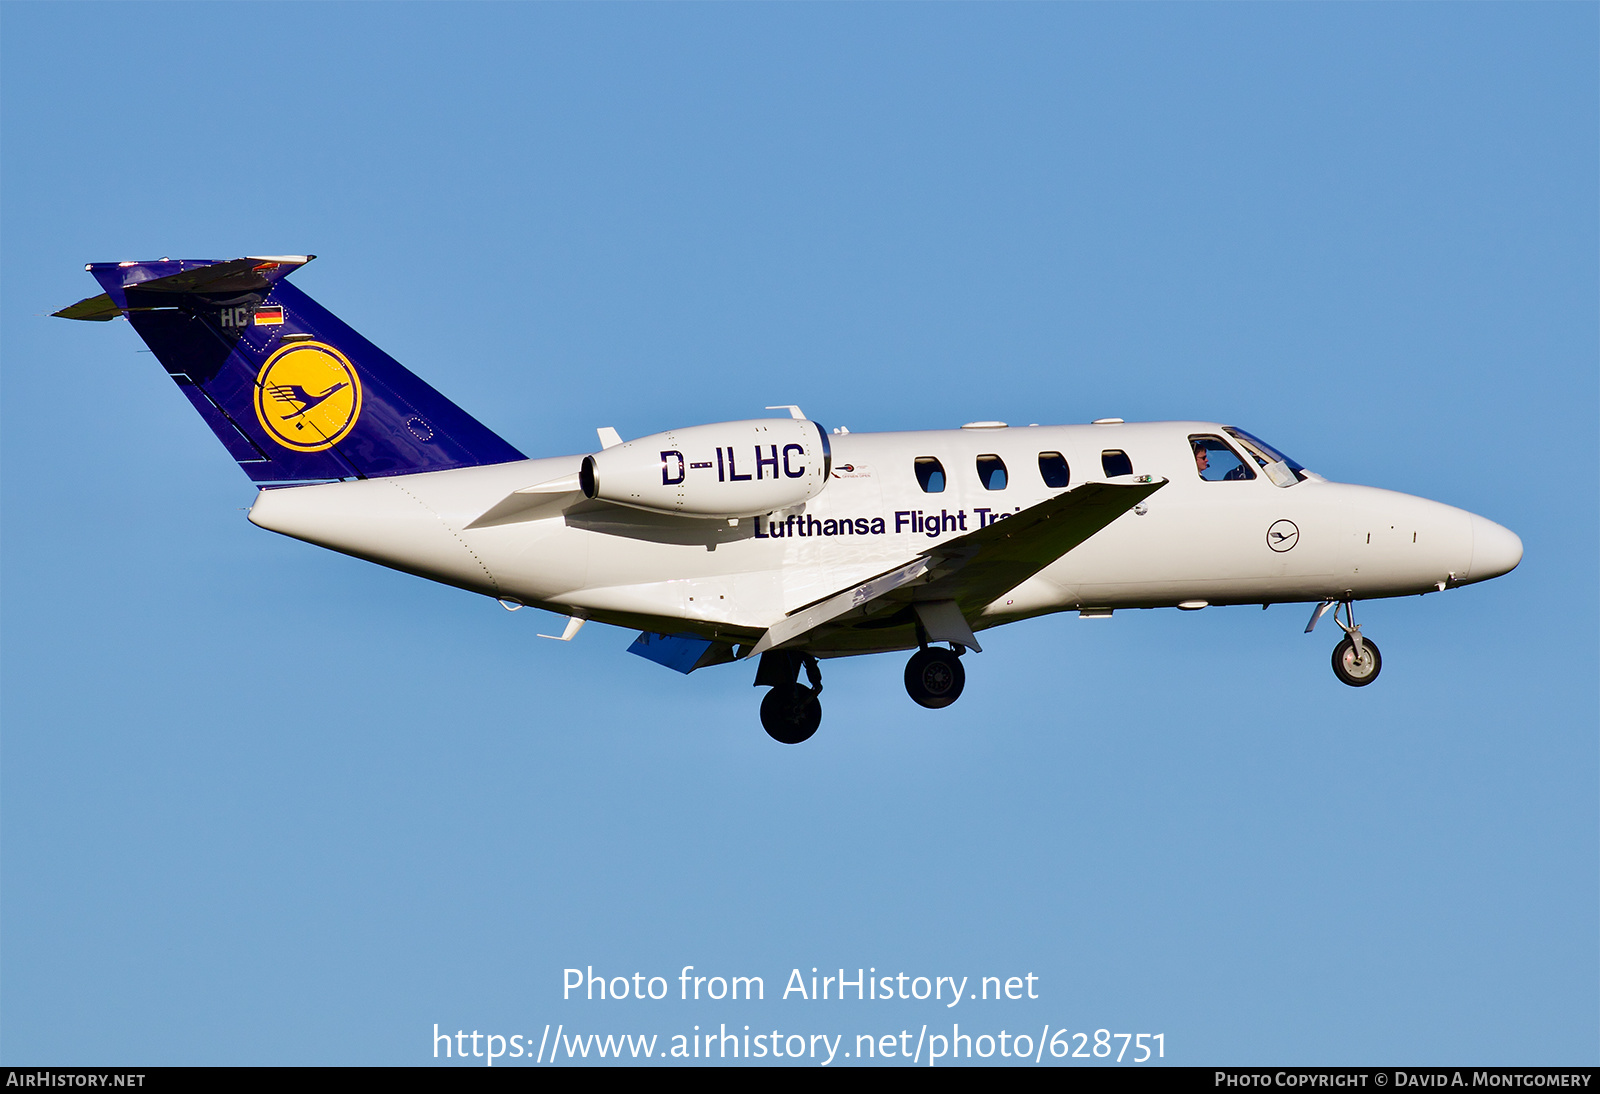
{"points": [[790, 713], [934, 677], [1349, 670]]}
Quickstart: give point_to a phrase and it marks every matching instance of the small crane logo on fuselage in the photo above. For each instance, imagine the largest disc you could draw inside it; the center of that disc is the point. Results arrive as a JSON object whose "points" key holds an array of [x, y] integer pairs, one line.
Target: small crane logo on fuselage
{"points": [[1283, 535]]}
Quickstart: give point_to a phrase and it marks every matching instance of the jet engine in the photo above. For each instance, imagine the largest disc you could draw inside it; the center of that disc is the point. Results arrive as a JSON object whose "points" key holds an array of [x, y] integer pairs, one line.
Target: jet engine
{"points": [[729, 470]]}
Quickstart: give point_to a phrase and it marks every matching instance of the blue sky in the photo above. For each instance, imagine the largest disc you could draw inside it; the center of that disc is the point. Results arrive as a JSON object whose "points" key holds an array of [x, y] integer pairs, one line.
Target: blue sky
{"points": [[267, 804]]}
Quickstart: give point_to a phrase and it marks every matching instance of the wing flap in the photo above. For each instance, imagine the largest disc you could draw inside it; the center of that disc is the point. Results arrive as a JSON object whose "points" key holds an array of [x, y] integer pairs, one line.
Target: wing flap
{"points": [[809, 619]]}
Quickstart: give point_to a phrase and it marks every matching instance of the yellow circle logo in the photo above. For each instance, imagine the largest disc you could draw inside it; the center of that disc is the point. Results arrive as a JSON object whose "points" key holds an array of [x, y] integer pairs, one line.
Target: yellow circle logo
{"points": [[308, 396]]}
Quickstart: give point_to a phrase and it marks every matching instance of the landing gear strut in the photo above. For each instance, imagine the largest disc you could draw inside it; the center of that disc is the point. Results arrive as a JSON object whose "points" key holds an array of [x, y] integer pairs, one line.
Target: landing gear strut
{"points": [[1356, 660], [934, 677], [790, 713]]}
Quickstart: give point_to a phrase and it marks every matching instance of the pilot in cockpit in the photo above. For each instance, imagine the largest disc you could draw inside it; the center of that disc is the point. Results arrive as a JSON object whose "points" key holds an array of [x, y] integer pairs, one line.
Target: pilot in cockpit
{"points": [[1226, 468]]}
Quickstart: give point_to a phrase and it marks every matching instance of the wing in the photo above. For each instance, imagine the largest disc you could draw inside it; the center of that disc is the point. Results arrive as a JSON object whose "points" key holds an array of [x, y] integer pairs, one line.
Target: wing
{"points": [[982, 566], [971, 571]]}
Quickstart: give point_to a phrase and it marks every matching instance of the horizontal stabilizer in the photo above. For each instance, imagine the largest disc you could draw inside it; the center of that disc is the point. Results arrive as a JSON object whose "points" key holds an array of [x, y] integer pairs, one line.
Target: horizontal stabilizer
{"points": [[95, 309], [238, 275]]}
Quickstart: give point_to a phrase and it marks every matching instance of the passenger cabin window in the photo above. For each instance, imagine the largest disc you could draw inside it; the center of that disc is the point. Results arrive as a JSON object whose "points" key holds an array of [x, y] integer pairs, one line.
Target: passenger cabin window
{"points": [[930, 475], [1114, 461], [1053, 469], [992, 472], [1216, 462]]}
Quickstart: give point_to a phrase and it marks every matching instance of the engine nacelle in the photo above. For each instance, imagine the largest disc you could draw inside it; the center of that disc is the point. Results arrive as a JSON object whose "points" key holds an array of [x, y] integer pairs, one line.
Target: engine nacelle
{"points": [[729, 469]]}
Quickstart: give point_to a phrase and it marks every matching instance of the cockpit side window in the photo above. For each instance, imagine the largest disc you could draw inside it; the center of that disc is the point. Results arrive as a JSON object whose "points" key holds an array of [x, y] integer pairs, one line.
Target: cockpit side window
{"points": [[1279, 468], [1114, 462], [930, 475], [1216, 462], [992, 472], [1054, 471]]}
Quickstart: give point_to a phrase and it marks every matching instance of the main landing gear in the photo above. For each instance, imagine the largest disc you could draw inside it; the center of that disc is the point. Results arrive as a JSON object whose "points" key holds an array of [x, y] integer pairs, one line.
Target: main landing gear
{"points": [[790, 713], [934, 677], [1356, 660]]}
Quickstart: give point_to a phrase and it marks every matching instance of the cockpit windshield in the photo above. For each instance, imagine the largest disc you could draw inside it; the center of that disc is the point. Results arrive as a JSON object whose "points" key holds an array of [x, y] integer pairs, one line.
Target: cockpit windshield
{"points": [[1279, 468]]}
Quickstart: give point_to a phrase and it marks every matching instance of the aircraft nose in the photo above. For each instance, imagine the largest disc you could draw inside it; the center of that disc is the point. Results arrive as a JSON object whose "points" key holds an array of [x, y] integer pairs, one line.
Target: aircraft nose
{"points": [[1495, 550]]}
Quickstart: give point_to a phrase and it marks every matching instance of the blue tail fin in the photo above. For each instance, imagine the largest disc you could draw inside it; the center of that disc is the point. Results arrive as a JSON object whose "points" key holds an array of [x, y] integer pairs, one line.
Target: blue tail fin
{"points": [[293, 393]]}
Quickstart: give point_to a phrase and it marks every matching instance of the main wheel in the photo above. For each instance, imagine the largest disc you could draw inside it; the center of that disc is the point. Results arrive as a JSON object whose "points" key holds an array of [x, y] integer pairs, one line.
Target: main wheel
{"points": [[934, 677], [790, 713], [1358, 672]]}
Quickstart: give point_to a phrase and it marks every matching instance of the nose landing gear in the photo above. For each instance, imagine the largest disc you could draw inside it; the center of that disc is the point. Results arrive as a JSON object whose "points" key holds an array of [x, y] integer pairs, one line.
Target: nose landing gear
{"points": [[1357, 667], [1356, 660]]}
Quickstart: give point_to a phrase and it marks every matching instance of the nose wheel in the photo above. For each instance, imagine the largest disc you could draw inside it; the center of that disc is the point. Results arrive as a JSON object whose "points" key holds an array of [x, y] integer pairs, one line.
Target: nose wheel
{"points": [[934, 677], [1357, 667], [1356, 660]]}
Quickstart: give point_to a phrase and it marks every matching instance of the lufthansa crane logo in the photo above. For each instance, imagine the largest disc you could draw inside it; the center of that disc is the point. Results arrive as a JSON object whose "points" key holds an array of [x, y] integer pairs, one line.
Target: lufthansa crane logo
{"points": [[308, 396], [1283, 535]]}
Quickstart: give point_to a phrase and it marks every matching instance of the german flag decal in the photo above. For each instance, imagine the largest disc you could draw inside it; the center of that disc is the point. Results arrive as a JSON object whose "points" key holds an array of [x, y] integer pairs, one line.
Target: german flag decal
{"points": [[269, 317]]}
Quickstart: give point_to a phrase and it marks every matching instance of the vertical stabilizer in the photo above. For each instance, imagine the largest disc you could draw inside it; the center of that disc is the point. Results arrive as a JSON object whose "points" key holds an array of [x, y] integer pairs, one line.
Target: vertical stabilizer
{"points": [[293, 393]]}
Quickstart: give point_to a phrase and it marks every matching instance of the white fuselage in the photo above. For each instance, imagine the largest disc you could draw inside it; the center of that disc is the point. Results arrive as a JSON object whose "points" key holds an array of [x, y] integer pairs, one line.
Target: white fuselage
{"points": [[1194, 542]]}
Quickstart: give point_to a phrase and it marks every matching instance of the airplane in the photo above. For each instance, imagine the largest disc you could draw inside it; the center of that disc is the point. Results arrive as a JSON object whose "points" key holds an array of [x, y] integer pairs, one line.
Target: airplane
{"points": [[774, 539]]}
